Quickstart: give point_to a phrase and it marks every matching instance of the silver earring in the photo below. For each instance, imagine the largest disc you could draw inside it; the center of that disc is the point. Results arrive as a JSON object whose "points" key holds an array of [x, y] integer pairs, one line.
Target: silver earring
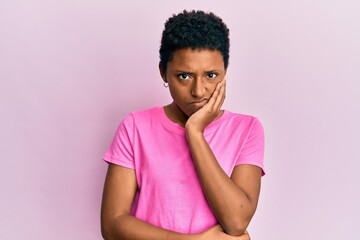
{"points": [[166, 84]]}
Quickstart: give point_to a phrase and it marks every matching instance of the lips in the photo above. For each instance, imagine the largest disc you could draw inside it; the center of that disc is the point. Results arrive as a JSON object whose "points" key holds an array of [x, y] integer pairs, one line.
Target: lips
{"points": [[199, 103]]}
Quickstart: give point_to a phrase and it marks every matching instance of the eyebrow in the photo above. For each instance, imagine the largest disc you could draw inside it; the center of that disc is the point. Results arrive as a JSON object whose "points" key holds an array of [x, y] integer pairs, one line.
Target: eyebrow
{"points": [[210, 71]]}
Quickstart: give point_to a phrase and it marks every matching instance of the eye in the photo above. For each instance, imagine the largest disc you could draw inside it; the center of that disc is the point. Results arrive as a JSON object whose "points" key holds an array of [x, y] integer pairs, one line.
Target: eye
{"points": [[212, 75], [183, 76]]}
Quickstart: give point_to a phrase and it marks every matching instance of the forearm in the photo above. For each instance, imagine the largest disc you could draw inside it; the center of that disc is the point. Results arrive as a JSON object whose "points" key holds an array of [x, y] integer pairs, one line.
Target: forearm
{"points": [[229, 203], [127, 227]]}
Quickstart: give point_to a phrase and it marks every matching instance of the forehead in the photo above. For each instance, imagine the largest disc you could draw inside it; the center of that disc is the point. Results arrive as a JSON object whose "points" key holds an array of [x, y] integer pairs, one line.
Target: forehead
{"points": [[194, 59]]}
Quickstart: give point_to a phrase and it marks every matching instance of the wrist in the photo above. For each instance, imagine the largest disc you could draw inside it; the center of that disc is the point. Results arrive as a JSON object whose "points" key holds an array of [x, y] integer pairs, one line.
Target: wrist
{"points": [[193, 132]]}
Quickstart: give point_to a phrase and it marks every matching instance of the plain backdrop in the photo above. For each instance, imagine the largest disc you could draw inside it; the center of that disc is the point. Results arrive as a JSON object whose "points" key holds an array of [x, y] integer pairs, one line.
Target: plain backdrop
{"points": [[71, 70]]}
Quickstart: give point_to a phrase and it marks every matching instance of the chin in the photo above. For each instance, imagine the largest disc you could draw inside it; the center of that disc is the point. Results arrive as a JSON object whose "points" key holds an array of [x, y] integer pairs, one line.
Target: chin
{"points": [[187, 111], [191, 112]]}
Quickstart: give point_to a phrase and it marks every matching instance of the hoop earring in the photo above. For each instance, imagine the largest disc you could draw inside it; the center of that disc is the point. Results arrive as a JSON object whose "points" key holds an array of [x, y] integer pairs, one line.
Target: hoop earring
{"points": [[166, 84]]}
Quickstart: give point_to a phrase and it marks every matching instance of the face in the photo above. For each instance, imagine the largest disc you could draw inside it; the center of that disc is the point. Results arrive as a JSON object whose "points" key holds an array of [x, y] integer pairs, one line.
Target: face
{"points": [[192, 76]]}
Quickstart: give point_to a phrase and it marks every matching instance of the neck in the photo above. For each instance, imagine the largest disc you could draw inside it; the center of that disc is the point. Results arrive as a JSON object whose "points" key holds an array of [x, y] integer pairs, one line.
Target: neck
{"points": [[175, 114]]}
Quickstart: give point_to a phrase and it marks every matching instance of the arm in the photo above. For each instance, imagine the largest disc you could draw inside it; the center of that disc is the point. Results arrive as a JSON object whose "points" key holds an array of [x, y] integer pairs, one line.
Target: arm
{"points": [[233, 199], [117, 223]]}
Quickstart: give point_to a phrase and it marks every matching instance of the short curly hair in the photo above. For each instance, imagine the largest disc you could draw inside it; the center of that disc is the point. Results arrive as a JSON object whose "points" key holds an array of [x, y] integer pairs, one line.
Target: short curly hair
{"points": [[195, 29]]}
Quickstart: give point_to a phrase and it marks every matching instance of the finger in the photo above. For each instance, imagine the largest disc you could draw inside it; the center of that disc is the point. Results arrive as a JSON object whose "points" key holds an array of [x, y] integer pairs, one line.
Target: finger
{"points": [[220, 97], [223, 96], [214, 96]]}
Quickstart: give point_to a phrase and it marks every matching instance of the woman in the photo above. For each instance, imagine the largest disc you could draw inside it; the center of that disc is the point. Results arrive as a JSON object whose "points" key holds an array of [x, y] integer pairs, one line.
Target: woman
{"points": [[188, 170]]}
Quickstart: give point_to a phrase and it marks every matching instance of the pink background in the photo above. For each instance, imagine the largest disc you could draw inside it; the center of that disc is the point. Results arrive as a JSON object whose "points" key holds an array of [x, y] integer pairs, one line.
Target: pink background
{"points": [[71, 70]]}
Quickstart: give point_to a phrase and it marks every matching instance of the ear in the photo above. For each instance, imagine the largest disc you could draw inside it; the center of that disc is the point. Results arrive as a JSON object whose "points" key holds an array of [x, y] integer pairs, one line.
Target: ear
{"points": [[162, 72]]}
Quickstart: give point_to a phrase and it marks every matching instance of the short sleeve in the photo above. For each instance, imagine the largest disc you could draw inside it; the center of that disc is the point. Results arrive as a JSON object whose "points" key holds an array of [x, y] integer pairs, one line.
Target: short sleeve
{"points": [[253, 149], [120, 151]]}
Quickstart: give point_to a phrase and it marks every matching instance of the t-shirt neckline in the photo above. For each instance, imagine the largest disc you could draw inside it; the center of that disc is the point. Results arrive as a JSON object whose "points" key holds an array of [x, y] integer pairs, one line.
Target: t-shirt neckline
{"points": [[176, 128]]}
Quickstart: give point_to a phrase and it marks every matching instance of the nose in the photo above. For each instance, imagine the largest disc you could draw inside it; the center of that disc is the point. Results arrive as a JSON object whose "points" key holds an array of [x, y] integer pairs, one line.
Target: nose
{"points": [[198, 88]]}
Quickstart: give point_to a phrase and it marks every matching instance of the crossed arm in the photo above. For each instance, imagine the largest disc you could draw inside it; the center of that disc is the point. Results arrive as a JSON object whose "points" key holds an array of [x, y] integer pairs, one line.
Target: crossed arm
{"points": [[117, 223]]}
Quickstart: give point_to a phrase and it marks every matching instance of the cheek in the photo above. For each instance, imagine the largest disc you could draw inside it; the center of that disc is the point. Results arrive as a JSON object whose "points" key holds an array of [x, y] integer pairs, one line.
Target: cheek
{"points": [[211, 87], [176, 93]]}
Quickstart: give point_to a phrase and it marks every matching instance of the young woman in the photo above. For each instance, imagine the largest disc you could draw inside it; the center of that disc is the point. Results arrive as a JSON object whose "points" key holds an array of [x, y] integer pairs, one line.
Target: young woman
{"points": [[188, 170]]}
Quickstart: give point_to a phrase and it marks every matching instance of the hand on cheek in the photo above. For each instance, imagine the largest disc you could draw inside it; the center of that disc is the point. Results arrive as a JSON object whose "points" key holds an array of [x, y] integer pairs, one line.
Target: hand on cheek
{"points": [[209, 112]]}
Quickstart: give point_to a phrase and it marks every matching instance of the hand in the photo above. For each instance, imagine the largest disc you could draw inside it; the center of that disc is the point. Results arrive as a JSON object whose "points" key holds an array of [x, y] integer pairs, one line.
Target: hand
{"points": [[217, 233], [210, 111]]}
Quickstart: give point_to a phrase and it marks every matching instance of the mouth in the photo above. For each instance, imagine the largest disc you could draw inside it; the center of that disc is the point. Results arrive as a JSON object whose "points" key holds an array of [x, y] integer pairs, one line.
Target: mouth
{"points": [[199, 103]]}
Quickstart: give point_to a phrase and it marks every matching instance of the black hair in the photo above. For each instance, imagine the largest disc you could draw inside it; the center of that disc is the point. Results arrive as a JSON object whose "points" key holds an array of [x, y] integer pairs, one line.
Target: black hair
{"points": [[197, 30]]}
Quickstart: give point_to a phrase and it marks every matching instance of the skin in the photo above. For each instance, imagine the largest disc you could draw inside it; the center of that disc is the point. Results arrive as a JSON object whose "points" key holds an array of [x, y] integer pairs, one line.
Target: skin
{"points": [[197, 86]]}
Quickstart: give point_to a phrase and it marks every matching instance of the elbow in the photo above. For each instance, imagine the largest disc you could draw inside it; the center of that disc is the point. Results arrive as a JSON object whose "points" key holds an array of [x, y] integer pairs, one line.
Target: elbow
{"points": [[111, 228], [105, 231], [237, 225], [235, 229]]}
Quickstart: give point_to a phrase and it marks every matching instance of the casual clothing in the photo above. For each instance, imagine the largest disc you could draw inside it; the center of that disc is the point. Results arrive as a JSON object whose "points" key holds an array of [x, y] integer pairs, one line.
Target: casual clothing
{"points": [[169, 192]]}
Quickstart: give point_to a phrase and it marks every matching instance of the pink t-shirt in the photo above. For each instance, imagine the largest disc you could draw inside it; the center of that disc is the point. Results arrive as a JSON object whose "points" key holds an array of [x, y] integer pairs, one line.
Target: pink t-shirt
{"points": [[169, 192]]}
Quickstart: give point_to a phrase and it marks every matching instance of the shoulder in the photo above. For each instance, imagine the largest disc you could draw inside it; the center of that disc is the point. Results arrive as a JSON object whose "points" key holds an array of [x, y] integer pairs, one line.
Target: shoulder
{"points": [[141, 117], [145, 114]]}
